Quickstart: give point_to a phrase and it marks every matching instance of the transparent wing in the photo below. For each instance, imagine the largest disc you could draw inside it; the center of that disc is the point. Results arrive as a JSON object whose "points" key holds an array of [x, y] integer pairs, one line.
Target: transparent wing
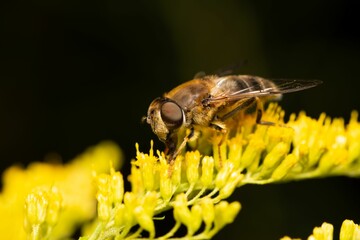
{"points": [[258, 89], [231, 69]]}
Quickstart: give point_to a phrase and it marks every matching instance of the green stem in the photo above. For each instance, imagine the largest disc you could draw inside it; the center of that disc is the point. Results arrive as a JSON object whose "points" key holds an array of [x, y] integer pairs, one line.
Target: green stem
{"points": [[109, 233], [35, 231], [135, 234], [191, 202], [213, 192], [125, 231], [95, 235], [190, 190]]}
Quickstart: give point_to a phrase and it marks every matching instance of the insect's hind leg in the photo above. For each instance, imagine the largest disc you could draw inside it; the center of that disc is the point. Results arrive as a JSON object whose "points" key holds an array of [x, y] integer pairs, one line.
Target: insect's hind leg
{"points": [[243, 105], [259, 113], [247, 103]]}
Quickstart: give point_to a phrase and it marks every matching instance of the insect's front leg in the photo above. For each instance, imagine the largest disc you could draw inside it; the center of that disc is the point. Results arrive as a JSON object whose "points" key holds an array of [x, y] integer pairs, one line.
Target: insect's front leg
{"points": [[170, 147], [174, 148]]}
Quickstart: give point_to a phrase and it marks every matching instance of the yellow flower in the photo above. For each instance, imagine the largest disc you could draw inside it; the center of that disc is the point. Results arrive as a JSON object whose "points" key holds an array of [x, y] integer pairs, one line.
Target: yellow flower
{"points": [[42, 210], [41, 186]]}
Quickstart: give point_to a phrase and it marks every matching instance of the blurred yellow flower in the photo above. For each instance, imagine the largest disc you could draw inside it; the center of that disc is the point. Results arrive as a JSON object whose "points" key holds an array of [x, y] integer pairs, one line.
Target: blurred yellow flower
{"points": [[349, 231], [73, 183]]}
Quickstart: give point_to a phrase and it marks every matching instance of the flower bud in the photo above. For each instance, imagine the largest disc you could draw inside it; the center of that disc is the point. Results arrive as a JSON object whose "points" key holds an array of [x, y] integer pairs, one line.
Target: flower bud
{"points": [[235, 150], [166, 187], [117, 187], [181, 212], [54, 206], [208, 210], [145, 220], [130, 202], [103, 183], [252, 153], [192, 166], [148, 174], [232, 182], [276, 155], [36, 205], [354, 151], [332, 158], [104, 206], [196, 219], [149, 202], [120, 215], [207, 171], [324, 232], [284, 167], [356, 234], [347, 230], [225, 213], [315, 152], [137, 183], [176, 171], [223, 174]]}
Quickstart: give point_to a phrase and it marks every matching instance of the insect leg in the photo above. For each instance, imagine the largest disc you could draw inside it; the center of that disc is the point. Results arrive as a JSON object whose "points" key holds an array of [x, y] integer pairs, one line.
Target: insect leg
{"points": [[246, 104], [220, 127], [243, 105], [218, 123], [170, 147], [174, 153], [259, 113]]}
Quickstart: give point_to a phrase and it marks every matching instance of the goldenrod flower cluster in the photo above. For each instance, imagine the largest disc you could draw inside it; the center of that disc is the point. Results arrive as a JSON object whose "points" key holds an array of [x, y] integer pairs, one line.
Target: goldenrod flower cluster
{"points": [[195, 186], [48, 200], [55, 198], [349, 231]]}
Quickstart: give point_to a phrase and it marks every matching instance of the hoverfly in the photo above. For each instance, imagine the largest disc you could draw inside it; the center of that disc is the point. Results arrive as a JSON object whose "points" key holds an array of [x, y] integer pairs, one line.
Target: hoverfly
{"points": [[209, 101]]}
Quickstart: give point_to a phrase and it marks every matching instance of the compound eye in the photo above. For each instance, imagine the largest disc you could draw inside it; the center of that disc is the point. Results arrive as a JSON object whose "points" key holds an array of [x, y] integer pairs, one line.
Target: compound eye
{"points": [[171, 114]]}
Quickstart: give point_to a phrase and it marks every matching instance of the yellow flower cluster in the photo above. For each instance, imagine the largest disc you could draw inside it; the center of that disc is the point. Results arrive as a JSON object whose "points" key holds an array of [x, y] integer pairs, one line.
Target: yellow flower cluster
{"points": [[50, 200], [195, 185], [349, 231], [156, 187], [301, 148]]}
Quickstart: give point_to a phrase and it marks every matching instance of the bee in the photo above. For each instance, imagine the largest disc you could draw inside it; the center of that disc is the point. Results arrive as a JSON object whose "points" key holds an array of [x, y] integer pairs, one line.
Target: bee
{"points": [[209, 101]]}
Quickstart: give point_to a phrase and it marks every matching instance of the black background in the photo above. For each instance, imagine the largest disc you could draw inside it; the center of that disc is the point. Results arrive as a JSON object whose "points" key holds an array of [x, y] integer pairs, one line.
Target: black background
{"points": [[73, 73]]}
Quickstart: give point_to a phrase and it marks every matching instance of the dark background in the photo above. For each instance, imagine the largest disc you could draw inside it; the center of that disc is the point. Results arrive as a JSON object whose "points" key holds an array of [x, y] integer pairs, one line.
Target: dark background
{"points": [[73, 73]]}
